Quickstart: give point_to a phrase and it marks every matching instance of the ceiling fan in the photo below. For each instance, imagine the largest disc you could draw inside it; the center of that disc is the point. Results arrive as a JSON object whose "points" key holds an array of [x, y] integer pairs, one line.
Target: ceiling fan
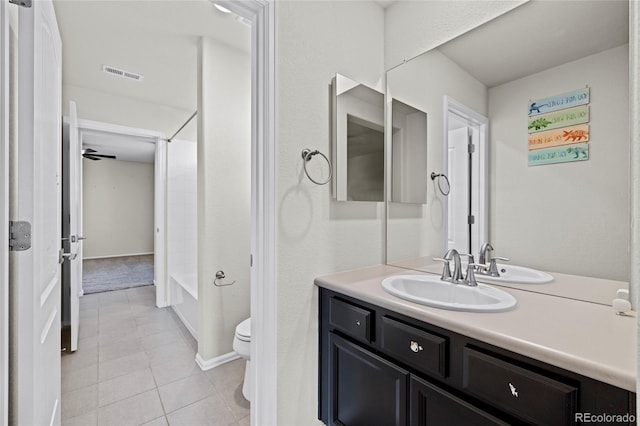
{"points": [[91, 155]]}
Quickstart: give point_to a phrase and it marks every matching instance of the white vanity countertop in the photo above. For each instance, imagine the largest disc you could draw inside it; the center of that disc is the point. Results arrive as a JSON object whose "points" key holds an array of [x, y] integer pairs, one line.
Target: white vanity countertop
{"points": [[586, 338]]}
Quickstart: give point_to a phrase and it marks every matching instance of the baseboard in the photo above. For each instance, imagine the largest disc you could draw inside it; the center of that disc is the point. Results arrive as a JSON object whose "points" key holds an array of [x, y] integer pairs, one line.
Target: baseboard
{"points": [[116, 255], [215, 362]]}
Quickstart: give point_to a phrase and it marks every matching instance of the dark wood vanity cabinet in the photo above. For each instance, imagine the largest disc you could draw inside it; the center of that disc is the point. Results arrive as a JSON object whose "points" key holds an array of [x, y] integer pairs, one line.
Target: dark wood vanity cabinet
{"points": [[378, 367]]}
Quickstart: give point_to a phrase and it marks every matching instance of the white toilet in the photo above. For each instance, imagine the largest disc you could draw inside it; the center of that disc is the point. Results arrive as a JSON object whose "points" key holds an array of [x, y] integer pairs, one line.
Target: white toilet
{"points": [[242, 346]]}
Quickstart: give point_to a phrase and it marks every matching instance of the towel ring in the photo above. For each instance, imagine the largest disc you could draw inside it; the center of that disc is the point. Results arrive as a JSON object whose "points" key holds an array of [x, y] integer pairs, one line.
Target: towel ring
{"points": [[435, 175], [307, 155], [220, 276]]}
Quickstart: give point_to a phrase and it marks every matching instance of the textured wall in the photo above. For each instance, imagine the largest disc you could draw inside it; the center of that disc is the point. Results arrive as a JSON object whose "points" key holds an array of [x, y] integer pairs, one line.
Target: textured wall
{"points": [[316, 235]]}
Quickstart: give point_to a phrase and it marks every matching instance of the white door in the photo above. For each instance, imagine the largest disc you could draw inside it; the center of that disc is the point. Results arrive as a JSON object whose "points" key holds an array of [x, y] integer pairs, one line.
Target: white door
{"points": [[458, 198], [75, 231], [36, 272], [4, 213]]}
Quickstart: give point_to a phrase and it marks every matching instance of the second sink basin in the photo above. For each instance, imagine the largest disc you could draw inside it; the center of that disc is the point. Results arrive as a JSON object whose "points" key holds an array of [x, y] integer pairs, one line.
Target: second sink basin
{"points": [[518, 275], [431, 291]]}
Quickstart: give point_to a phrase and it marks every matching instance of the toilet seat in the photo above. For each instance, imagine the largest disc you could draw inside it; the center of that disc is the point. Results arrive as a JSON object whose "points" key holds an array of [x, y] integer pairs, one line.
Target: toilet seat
{"points": [[243, 330]]}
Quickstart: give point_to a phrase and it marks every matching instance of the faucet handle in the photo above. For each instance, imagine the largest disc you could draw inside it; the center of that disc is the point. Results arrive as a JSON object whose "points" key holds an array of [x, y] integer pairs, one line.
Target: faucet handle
{"points": [[504, 259], [446, 271]]}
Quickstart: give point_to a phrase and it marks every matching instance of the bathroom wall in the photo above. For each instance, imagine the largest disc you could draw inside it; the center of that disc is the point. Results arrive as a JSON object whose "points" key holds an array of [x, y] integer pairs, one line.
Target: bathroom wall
{"points": [[118, 208], [224, 194], [316, 235], [567, 202], [413, 27], [418, 229], [100, 106]]}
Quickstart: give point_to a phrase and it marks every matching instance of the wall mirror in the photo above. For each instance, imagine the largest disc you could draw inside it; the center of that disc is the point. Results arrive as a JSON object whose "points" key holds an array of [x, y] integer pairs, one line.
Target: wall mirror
{"points": [[569, 218], [357, 141], [408, 153]]}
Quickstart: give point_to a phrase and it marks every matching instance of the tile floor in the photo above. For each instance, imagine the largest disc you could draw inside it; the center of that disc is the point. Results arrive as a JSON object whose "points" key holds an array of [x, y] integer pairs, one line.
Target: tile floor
{"points": [[135, 365]]}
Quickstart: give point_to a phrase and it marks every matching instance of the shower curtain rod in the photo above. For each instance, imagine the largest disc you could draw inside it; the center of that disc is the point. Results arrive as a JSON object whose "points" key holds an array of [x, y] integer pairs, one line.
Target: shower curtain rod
{"points": [[183, 126]]}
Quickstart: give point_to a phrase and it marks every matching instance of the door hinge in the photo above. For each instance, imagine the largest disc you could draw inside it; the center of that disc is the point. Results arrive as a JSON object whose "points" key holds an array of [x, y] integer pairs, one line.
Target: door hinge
{"points": [[23, 3], [471, 148], [471, 220], [19, 236]]}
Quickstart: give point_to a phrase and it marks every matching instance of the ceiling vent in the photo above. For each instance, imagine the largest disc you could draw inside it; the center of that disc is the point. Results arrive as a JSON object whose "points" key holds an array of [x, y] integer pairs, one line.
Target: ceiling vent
{"points": [[122, 73]]}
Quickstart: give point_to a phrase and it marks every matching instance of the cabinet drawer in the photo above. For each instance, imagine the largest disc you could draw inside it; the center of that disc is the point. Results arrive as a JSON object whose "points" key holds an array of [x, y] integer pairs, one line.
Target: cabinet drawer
{"points": [[352, 320], [518, 391], [421, 350]]}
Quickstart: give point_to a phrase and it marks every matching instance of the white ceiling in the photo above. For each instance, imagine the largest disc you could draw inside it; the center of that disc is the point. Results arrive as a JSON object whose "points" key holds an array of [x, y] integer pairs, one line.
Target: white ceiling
{"points": [[539, 35], [155, 38]]}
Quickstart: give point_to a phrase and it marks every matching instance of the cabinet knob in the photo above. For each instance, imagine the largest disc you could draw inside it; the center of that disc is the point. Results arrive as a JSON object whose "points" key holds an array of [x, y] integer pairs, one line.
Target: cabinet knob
{"points": [[358, 323], [514, 391], [414, 346]]}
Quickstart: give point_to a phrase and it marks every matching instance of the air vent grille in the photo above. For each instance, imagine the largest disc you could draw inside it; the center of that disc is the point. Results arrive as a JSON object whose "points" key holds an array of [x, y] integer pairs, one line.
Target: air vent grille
{"points": [[122, 73]]}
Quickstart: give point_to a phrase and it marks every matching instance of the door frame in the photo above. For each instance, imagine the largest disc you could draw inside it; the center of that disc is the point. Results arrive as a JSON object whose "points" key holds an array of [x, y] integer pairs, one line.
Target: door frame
{"points": [[264, 363], [453, 106], [4, 212], [160, 193]]}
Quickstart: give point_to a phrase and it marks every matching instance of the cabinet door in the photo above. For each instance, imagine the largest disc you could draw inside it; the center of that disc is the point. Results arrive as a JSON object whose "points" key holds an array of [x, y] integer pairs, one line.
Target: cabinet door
{"points": [[431, 406], [364, 389]]}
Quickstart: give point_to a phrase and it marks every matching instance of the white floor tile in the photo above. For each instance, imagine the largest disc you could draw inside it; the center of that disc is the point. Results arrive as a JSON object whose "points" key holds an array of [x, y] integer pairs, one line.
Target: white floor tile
{"points": [[80, 378], [88, 419], [185, 391], [132, 411], [79, 402], [122, 366], [136, 365], [126, 386], [207, 412]]}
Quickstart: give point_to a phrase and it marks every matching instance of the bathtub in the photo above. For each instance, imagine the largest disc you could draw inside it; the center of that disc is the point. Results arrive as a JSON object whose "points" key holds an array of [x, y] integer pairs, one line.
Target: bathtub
{"points": [[184, 300]]}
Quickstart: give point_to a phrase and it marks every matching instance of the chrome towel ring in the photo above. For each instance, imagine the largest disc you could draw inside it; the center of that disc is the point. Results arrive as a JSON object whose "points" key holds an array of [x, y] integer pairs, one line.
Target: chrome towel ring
{"points": [[307, 155], [440, 176]]}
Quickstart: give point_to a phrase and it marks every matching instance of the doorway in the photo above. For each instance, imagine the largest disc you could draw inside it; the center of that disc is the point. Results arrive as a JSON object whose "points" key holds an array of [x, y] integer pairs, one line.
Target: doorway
{"points": [[261, 15], [465, 150]]}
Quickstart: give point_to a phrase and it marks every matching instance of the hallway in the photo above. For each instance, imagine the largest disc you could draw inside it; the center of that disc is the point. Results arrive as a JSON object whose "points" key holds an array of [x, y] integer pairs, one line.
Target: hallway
{"points": [[136, 365]]}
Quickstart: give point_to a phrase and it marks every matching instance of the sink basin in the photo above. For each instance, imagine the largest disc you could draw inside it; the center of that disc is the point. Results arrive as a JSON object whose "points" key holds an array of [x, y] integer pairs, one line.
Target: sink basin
{"points": [[429, 290], [518, 275]]}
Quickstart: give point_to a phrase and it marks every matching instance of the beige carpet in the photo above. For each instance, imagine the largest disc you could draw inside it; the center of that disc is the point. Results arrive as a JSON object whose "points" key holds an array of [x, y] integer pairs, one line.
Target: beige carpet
{"points": [[116, 273]]}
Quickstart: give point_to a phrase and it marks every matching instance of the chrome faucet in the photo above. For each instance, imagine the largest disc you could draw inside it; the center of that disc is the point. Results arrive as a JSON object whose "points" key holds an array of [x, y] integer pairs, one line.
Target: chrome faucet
{"points": [[453, 254], [485, 258], [484, 252], [457, 277]]}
